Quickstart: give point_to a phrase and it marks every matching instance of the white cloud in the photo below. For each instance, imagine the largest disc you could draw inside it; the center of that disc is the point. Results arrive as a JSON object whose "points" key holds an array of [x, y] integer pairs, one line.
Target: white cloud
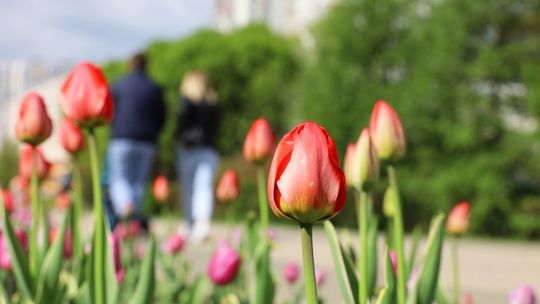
{"points": [[94, 29]]}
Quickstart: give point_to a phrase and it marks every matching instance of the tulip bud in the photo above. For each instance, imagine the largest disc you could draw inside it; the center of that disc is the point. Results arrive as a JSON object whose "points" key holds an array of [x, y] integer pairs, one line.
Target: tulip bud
{"points": [[524, 294], [387, 132], [365, 162], [160, 189], [71, 136], [8, 201], [85, 96], [348, 166], [389, 202], [25, 162], [305, 183], [259, 141], [223, 265], [393, 260], [33, 124], [291, 272], [458, 220], [174, 244], [228, 188]]}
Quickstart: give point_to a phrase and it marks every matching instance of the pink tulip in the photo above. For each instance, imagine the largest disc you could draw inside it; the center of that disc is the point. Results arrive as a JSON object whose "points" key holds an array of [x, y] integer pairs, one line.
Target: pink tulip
{"points": [[305, 183], [160, 189], [115, 244], [458, 220], [228, 188], [71, 136], [291, 272], [8, 201], [85, 96], [387, 132], [25, 163], [174, 244], [524, 294], [33, 124], [224, 265], [393, 260], [259, 141]]}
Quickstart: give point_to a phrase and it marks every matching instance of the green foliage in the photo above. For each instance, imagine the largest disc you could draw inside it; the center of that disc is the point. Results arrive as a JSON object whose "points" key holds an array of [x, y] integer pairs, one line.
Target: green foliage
{"points": [[457, 73], [9, 158]]}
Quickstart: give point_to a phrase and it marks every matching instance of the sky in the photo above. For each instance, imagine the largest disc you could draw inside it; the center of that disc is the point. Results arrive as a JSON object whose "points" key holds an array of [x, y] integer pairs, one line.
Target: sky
{"points": [[97, 30]]}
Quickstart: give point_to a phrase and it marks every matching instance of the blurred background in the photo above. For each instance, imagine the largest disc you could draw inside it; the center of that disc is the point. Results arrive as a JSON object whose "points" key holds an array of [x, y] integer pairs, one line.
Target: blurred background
{"points": [[463, 75]]}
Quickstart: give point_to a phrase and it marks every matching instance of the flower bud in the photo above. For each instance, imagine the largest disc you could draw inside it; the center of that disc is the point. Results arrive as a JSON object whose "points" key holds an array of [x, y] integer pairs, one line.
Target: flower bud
{"points": [[71, 136], [291, 272], [305, 183], [458, 220], [365, 162], [160, 189], [387, 132], [33, 124], [85, 96], [524, 294], [259, 141], [8, 201], [224, 265], [228, 188], [348, 166], [174, 244], [25, 162]]}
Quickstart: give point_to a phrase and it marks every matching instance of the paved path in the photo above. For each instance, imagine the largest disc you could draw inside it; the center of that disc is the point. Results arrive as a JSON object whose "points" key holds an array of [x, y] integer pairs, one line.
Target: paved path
{"points": [[489, 268]]}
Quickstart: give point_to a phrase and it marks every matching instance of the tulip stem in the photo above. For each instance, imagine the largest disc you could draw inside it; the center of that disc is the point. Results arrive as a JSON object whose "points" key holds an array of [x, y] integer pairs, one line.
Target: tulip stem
{"points": [[455, 270], [398, 238], [34, 192], [99, 237], [309, 266], [263, 206], [76, 210], [363, 265]]}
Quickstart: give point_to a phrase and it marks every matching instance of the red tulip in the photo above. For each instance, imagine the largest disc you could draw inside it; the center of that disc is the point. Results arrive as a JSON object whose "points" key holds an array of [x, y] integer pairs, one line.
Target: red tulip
{"points": [[174, 244], [63, 201], [8, 201], [305, 183], [85, 96], [71, 136], [223, 265], [25, 162], [458, 220], [33, 124], [291, 272], [387, 132], [228, 188], [259, 141], [160, 189]]}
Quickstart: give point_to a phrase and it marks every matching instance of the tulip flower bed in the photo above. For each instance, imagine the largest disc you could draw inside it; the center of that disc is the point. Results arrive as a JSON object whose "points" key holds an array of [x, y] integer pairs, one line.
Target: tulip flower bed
{"points": [[304, 185]]}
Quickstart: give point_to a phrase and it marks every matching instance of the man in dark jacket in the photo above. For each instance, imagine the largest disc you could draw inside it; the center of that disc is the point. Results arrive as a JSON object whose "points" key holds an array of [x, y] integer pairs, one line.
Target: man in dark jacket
{"points": [[138, 119]]}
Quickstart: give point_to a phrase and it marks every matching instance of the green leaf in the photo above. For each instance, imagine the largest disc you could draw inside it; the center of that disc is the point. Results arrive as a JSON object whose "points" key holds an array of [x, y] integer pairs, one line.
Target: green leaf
{"points": [[372, 255], [340, 266], [416, 236], [440, 296], [388, 294], [111, 283], [145, 286], [83, 297], [430, 266], [197, 290], [19, 261], [48, 283], [265, 289]]}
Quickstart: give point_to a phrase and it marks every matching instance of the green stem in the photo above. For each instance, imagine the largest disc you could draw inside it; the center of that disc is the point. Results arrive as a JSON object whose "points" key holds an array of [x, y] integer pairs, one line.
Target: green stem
{"points": [[363, 265], [309, 266], [76, 210], [398, 238], [34, 192], [263, 206], [99, 237], [455, 269]]}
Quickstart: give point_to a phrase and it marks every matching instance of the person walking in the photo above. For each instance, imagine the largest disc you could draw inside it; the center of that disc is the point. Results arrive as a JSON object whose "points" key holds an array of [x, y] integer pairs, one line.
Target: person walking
{"points": [[198, 158], [138, 120]]}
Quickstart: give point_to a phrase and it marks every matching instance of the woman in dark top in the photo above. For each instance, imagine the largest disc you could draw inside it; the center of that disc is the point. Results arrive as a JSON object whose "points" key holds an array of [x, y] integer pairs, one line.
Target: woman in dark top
{"points": [[198, 157]]}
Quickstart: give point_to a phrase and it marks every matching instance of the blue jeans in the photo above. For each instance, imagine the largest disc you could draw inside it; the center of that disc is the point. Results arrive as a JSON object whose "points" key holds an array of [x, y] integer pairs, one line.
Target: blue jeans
{"points": [[197, 167], [129, 164]]}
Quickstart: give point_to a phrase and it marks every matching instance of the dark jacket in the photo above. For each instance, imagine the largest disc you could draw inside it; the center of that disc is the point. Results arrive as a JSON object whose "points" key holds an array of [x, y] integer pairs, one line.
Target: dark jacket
{"points": [[139, 108], [197, 123]]}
